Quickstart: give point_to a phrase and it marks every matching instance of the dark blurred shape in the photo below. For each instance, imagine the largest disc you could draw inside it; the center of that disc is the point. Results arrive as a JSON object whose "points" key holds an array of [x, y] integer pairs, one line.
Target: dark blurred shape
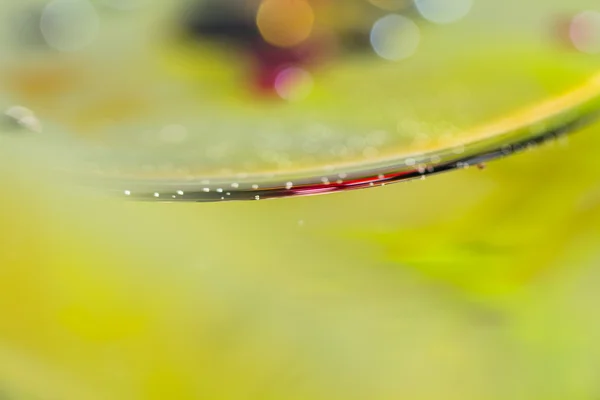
{"points": [[220, 20]]}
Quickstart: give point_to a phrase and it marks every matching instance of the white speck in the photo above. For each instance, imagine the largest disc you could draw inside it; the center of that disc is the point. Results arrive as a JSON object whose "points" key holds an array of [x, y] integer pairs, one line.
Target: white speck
{"points": [[255, 186], [180, 192], [228, 194], [25, 117], [206, 190], [235, 185], [443, 11], [325, 180], [18, 112], [257, 197], [343, 175], [339, 181], [395, 37], [371, 184], [69, 25], [156, 194], [381, 176], [127, 193], [222, 198], [220, 190], [174, 197], [289, 185]]}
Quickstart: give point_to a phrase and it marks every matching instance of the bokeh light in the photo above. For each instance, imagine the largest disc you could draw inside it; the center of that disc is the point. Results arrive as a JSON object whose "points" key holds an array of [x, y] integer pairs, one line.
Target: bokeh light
{"points": [[69, 25], [285, 23], [395, 37], [584, 31], [294, 84], [443, 11]]}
